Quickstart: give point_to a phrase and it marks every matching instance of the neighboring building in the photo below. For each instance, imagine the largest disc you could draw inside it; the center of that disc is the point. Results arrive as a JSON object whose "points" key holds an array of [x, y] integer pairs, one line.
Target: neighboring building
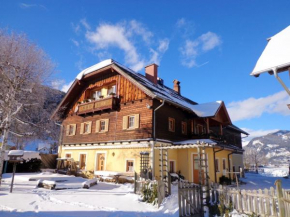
{"points": [[275, 57], [115, 119]]}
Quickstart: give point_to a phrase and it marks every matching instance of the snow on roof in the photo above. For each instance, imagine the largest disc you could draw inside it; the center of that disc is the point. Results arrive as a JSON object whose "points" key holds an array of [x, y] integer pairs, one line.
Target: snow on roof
{"points": [[276, 54], [94, 68], [159, 91], [206, 109], [195, 141], [16, 153], [27, 155]]}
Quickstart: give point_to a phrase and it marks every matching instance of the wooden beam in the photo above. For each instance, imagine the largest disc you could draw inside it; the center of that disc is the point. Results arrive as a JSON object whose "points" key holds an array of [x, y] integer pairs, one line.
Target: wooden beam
{"points": [[207, 126], [221, 129]]}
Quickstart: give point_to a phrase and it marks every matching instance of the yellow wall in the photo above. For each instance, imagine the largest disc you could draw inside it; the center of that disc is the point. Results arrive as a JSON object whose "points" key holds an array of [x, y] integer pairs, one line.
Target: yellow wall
{"points": [[183, 160], [113, 163]]}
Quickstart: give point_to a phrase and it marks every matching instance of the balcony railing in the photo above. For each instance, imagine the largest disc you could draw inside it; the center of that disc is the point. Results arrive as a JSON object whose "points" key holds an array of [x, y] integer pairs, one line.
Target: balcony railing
{"points": [[209, 136], [97, 105]]}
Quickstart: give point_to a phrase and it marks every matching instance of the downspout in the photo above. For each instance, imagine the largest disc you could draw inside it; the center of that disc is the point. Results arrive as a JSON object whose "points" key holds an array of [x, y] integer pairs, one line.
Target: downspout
{"points": [[280, 81], [215, 179], [154, 139]]}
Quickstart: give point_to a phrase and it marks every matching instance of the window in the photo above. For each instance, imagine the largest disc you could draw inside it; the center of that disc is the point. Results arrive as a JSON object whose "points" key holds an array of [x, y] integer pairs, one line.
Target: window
{"points": [[130, 166], [97, 94], [71, 129], [102, 125], [82, 161], [171, 166], [217, 165], [86, 127], [224, 164], [68, 155], [183, 127], [112, 90], [131, 122], [199, 129], [171, 124]]}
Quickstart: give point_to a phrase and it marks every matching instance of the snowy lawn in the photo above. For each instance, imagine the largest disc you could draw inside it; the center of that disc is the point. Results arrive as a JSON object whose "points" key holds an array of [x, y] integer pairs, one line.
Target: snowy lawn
{"points": [[265, 179], [103, 199]]}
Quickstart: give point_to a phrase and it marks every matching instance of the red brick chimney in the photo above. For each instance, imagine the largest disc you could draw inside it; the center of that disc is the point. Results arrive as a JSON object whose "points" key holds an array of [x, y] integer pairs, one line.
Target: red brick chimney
{"points": [[151, 72], [176, 86]]}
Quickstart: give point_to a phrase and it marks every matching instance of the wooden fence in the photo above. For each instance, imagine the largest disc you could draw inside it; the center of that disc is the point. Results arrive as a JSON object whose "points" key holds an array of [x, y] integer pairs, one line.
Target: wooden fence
{"points": [[48, 160], [189, 199], [265, 203]]}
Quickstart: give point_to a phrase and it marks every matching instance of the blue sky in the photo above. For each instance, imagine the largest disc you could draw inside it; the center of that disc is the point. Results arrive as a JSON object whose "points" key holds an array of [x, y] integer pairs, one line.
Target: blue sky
{"points": [[210, 46]]}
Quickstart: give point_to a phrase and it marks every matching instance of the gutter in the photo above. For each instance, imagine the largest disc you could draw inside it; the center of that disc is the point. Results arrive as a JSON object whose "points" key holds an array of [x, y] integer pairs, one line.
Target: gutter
{"points": [[214, 152], [154, 138]]}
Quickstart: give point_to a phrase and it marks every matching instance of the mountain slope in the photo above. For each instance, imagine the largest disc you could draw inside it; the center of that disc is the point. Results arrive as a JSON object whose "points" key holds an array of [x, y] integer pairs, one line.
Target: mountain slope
{"points": [[275, 146]]}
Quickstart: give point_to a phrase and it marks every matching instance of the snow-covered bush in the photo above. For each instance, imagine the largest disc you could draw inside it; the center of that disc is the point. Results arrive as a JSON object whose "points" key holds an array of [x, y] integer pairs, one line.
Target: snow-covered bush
{"points": [[149, 192]]}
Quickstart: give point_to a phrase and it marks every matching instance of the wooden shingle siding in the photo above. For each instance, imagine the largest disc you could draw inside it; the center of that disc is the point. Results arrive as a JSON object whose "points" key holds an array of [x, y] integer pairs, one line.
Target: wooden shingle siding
{"points": [[115, 127]]}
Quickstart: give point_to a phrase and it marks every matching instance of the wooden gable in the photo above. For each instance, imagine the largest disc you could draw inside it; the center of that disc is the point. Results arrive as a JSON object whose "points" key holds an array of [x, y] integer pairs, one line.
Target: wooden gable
{"points": [[222, 115], [126, 91]]}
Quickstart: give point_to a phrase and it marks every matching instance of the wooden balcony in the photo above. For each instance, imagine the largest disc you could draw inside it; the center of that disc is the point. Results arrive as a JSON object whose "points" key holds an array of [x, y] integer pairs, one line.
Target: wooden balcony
{"points": [[98, 105]]}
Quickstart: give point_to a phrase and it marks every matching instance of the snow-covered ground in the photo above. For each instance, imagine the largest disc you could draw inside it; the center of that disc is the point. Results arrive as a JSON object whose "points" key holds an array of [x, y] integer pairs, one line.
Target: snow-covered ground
{"points": [[103, 199]]}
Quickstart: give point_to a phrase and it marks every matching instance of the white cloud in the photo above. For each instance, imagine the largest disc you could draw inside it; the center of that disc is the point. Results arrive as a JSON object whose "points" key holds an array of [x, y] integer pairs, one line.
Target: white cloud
{"points": [[210, 41], [75, 42], [124, 36], [85, 24], [60, 84], [255, 107], [163, 45], [193, 48], [27, 6], [65, 87], [255, 133]]}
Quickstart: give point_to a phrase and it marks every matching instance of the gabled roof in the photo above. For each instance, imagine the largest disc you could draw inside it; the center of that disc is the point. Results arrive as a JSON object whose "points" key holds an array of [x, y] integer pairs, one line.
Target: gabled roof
{"points": [[157, 91], [276, 54]]}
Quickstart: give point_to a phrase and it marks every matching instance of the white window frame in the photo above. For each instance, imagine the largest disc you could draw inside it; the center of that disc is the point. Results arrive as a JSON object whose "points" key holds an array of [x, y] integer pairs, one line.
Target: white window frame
{"points": [[86, 153], [129, 159], [133, 125], [68, 130], [126, 122], [96, 159]]}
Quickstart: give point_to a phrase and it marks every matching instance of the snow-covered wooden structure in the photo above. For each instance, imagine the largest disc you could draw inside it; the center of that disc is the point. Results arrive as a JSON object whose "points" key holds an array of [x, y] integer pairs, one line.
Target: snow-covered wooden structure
{"points": [[275, 57]]}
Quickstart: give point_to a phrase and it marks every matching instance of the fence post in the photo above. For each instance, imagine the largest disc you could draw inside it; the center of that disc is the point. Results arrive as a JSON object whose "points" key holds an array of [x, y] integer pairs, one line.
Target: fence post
{"points": [[169, 183], [135, 183], [280, 198]]}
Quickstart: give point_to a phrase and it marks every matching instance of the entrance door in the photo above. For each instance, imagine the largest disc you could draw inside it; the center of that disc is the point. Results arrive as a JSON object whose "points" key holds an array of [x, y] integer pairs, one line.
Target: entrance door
{"points": [[83, 161], [101, 161], [196, 170]]}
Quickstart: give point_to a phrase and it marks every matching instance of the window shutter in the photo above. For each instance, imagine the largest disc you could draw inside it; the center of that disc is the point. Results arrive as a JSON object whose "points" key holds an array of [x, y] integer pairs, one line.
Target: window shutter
{"points": [[125, 122], [136, 122], [67, 130], [82, 128], [97, 126], [107, 125], [75, 127], [90, 127]]}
